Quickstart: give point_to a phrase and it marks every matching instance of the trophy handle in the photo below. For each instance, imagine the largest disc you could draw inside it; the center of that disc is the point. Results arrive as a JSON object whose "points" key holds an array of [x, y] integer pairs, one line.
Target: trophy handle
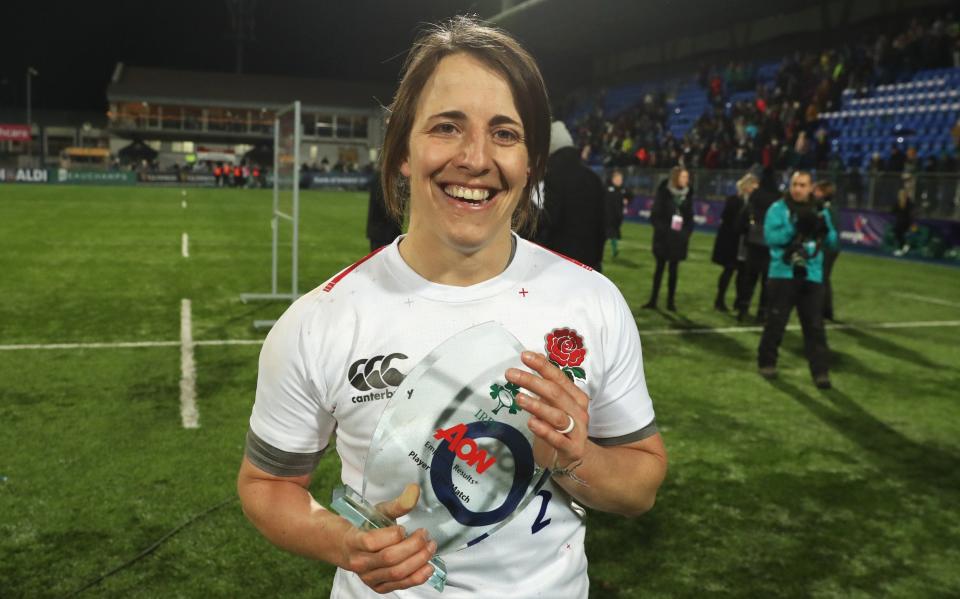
{"points": [[352, 506]]}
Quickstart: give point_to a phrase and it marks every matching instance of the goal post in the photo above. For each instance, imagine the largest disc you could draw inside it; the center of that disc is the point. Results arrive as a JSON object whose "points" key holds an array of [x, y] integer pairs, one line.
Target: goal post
{"points": [[287, 133]]}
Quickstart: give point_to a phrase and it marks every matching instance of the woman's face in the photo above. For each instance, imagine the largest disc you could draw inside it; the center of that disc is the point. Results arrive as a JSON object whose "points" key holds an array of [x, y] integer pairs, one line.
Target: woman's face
{"points": [[683, 179], [467, 161]]}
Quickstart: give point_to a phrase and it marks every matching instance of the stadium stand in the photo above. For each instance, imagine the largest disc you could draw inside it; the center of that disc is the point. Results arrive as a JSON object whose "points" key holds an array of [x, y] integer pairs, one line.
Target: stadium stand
{"points": [[889, 104]]}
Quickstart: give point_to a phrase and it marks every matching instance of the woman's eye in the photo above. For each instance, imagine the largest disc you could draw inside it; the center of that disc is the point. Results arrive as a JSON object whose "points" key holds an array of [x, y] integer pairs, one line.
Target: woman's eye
{"points": [[506, 135], [445, 128]]}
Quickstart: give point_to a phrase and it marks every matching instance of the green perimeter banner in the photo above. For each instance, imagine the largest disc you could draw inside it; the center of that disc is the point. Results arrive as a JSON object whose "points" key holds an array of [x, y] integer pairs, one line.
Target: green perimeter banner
{"points": [[92, 177]]}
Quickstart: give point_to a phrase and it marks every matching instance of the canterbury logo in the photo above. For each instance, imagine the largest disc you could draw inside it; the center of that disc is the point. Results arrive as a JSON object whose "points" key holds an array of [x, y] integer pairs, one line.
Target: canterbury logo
{"points": [[372, 377]]}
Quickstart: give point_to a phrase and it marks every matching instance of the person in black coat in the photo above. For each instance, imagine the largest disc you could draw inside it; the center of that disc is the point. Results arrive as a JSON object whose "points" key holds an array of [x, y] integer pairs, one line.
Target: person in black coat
{"points": [[672, 220], [757, 254], [823, 192], [727, 245], [382, 228], [614, 202], [902, 221], [572, 219]]}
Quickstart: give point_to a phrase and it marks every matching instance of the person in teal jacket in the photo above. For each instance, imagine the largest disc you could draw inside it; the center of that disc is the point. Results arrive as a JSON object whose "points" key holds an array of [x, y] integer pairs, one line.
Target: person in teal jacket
{"points": [[797, 234]]}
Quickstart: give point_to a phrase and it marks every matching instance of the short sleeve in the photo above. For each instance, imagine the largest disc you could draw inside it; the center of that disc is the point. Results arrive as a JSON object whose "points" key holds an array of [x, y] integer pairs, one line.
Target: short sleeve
{"points": [[622, 411], [290, 412]]}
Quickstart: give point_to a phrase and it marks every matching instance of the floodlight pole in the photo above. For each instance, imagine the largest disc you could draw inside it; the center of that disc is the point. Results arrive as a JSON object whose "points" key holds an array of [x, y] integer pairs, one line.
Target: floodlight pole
{"points": [[31, 72]]}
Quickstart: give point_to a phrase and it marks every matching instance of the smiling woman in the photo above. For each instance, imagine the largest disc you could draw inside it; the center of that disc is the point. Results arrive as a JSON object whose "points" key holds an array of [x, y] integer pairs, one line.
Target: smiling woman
{"points": [[508, 75], [467, 140]]}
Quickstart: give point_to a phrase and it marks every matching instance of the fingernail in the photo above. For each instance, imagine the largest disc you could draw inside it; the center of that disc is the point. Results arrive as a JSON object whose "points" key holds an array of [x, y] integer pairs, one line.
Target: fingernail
{"points": [[528, 355], [432, 546], [522, 400]]}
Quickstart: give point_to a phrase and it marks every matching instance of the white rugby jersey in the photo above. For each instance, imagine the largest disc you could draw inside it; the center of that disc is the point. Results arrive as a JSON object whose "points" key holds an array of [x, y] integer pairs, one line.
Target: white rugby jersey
{"points": [[334, 358]]}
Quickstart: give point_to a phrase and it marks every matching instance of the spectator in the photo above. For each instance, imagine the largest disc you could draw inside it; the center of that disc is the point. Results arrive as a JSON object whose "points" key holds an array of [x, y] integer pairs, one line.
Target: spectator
{"points": [[728, 242], [572, 221], [672, 220], [382, 227], [615, 202], [823, 194], [757, 255], [902, 221]]}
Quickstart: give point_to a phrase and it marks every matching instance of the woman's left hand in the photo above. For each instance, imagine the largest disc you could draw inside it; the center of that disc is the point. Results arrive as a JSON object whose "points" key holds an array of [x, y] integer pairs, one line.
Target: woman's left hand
{"points": [[557, 400]]}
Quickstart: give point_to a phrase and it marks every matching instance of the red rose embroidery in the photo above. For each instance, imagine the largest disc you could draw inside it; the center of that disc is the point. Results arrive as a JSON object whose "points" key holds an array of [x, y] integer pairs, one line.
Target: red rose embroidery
{"points": [[565, 347]]}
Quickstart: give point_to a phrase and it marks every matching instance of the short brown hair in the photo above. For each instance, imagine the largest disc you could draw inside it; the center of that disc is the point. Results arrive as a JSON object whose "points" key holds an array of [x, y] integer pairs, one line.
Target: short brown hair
{"points": [[504, 55]]}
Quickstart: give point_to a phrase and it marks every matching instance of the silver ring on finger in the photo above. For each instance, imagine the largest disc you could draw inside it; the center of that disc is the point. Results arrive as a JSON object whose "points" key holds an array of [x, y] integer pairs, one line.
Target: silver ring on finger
{"points": [[570, 426]]}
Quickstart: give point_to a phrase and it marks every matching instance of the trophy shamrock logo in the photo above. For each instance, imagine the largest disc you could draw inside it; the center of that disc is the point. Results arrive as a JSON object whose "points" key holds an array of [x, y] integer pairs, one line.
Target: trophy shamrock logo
{"points": [[565, 350], [505, 396]]}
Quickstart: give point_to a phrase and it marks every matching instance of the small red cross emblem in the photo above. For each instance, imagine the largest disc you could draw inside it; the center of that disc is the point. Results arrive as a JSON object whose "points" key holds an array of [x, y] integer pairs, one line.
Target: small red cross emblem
{"points": [[523, 292]]}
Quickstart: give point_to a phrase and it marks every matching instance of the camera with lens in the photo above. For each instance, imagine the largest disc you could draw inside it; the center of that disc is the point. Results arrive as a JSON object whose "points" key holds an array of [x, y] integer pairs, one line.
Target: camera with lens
{"points": [[810, 226]]}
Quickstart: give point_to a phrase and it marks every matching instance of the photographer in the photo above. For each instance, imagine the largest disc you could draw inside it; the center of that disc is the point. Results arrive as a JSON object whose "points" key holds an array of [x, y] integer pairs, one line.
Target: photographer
{"points": [[797, 234]]}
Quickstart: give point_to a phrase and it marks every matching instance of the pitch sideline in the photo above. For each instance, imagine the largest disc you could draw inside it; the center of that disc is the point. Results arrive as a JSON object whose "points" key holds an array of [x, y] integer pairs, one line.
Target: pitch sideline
{"points": [[189, 414], [668, 331]]}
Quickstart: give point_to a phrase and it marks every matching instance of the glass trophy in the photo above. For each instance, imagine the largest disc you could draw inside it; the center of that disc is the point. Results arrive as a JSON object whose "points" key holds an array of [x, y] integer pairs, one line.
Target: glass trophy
{"points": [[453, 427]]}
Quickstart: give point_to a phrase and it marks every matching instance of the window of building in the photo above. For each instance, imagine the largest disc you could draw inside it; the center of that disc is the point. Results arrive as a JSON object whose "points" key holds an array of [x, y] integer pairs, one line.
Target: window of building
{"points": [[192, 118], [344, 126], [183, 147], [360, 126], [324, 127]]}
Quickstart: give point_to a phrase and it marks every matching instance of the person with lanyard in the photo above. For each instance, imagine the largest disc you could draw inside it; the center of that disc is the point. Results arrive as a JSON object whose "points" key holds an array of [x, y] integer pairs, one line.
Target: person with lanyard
{"points": [[672, 220], [466, 142]]}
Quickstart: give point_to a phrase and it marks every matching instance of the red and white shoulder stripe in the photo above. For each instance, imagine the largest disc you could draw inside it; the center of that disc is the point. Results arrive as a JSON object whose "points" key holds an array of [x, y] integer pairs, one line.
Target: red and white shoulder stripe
{"points": [[346, 271]]}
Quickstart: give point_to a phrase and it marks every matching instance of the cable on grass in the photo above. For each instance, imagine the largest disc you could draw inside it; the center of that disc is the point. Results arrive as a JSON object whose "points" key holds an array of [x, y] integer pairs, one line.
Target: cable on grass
{"points": [[152, 547]]}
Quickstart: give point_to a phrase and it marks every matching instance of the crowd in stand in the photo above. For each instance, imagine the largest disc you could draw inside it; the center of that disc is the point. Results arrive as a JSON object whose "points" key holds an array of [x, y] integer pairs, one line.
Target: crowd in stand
{"points": [[781, 127]]}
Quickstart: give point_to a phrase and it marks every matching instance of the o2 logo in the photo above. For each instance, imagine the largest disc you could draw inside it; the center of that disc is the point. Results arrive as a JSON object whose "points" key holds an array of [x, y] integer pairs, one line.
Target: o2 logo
{"points": [[460, 441]]}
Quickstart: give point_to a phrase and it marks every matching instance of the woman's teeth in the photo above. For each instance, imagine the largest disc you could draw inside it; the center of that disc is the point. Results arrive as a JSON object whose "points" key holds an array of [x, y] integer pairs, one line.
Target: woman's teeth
{"points": [[467, 193]]}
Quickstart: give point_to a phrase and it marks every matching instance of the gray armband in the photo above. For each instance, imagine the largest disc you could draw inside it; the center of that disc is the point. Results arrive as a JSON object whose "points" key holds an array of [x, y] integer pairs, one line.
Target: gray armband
{"points": [[277, 461], [639, 435]]}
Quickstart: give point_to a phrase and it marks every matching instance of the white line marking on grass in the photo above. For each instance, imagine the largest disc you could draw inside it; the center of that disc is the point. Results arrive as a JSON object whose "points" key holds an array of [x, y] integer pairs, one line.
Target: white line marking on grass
{"points": [[216, 342], [128, 344], [189, 415], [928, 299], [183, 203], [185, 246], [692, 331], [104, 345], [795, 327]]}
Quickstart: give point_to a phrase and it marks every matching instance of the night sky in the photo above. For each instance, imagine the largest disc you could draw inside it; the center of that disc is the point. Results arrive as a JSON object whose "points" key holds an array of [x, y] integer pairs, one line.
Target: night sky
{"points": [[75, 45]]}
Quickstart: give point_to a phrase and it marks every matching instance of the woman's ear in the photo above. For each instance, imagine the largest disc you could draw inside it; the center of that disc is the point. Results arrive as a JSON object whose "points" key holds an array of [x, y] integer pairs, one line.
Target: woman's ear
{"points": [[405, 168]]}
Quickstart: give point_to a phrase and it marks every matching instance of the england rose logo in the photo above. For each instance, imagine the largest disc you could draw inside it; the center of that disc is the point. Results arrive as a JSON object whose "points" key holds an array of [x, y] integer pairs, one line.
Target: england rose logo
{"points": [[565, 350]]}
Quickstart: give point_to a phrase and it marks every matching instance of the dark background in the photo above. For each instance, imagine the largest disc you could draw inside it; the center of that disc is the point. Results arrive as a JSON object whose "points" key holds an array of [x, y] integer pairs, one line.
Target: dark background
{"points": [[75, 44]]}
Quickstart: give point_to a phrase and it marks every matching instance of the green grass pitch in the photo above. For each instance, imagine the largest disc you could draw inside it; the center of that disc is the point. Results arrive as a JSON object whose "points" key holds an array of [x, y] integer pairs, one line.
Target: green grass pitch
{"points": [[774, 490]]}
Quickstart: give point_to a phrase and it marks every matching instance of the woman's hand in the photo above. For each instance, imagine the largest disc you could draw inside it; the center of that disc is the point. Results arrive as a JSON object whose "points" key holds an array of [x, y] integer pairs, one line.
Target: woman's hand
{"points": [[557, 400], [385, 558]]}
